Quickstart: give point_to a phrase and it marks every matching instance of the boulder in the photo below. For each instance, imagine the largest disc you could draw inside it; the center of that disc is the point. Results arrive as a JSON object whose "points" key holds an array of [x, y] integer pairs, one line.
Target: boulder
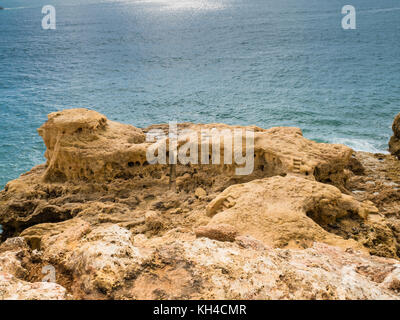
{"points": [[289, 212], [200, 193], [221, 232], [12, 288], [394, 143]]}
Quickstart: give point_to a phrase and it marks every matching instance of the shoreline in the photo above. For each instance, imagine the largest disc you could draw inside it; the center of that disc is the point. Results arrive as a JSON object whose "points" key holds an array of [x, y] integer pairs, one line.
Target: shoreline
{"points": [[371, 149]]}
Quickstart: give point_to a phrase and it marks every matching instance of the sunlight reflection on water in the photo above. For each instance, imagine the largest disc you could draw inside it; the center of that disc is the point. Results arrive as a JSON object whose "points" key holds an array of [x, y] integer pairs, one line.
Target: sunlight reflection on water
{"points": [[179, 4]]}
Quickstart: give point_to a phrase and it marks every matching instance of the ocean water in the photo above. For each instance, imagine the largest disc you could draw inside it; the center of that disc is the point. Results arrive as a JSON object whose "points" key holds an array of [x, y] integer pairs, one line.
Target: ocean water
{"points": [[262, 62]]}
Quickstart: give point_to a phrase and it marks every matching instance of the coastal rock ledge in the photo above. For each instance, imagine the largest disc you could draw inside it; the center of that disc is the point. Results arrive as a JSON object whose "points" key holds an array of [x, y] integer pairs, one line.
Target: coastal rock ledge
{"points": [[97, 221]]}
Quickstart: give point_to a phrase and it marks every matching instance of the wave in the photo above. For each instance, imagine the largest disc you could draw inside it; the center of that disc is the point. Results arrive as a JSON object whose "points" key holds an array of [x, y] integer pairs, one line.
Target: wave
{"points": [[358, 145], [17, 8]]}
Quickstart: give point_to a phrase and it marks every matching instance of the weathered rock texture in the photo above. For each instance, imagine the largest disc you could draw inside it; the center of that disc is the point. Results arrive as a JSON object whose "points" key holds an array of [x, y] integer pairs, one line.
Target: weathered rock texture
{"points": [[303, 225], [105, 262], [288, 212], [15, 262], [12, 288], [96, 162], [394, 143]]}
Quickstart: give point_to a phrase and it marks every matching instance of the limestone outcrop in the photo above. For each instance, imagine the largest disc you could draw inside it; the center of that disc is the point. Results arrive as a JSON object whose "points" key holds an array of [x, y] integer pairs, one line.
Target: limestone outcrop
{"points": [[12, 288], [83, 145], [394, 143], [311, 221], [288, 212], [105, 262], [15, 270], [92, 160]]}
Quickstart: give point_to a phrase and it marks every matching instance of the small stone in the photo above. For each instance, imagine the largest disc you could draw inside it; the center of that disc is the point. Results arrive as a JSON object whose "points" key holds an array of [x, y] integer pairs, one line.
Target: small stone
{"points": [[153, 220], [249, 242], [13, 288], [200, 193], [139, 239], [221, 232], [176, 211]]}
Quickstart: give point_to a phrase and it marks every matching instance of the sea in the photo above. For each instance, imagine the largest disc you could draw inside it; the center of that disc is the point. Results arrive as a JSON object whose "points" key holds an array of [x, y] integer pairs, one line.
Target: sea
{"points": [[248, 62]]}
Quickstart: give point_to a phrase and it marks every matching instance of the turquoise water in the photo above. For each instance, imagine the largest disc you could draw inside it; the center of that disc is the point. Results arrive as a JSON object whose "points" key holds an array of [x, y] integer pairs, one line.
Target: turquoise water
{"points": [[263, 62]]}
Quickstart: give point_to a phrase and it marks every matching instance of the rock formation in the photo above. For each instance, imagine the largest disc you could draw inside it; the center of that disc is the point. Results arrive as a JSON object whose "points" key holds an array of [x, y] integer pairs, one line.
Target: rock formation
{"points": [[312, 221], [288, 212], [394, 143], [15, 260]]}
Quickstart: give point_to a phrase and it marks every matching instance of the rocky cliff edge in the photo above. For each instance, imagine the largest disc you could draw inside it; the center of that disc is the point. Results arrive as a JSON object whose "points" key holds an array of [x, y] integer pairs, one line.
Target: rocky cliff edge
{"points": [[311, 221]]}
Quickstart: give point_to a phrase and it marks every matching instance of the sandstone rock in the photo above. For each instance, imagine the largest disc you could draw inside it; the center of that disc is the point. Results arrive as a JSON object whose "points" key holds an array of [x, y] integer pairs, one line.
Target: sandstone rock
{"points": [[12, 288], [43, 234], [394, 143], [176, 211], [200, 193], [13, 244], [249, 242], [106, 264], [153, 220], [208, 269], [96, 167], [83, 144], [286, 212], [15, 262], [98, 258], [221, 232], [380, 185], [108, 223], [14, 255], [396, 126]]}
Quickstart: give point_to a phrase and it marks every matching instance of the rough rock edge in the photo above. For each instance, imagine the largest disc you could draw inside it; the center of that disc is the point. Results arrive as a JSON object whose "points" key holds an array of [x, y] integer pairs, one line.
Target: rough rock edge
{"points": [[394, 143], [81, 247]]}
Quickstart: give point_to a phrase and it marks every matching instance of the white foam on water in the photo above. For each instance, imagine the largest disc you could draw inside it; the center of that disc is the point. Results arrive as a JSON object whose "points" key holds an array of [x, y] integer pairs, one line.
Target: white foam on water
{"points": [[358, 145], [17, 8]]}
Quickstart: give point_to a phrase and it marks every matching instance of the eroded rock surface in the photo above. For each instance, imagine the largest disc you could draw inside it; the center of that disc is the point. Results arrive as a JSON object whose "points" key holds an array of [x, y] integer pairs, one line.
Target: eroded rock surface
{"points": [[302, 225], [97, 166], [12, 288], [394, 143], [287, 211], [105, 262], [16, 267]]}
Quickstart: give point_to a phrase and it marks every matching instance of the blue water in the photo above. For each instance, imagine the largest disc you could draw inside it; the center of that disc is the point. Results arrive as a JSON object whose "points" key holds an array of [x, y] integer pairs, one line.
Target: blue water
{"points": [[263, 62]]}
